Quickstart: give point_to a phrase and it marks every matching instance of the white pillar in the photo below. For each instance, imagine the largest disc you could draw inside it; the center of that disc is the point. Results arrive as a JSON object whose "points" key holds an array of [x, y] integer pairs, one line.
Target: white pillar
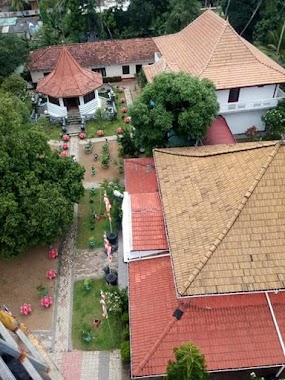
{"points": [[61, 103], [81, 100]]}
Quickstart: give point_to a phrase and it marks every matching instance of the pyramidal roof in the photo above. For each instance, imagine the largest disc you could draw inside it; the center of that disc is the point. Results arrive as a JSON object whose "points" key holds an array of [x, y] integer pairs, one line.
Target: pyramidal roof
{"points": [[69, 79], [224, 209], [210, 48]]}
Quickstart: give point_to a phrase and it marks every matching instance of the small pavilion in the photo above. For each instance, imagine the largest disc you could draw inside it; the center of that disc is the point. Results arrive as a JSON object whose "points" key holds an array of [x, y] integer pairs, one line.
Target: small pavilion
{"points": [[71, 88]]}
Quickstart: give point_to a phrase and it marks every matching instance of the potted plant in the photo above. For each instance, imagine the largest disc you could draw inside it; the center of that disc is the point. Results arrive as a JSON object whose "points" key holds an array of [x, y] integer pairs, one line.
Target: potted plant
{"points": [[87, 284], [42, 290], [86, 335], [92, 242]]}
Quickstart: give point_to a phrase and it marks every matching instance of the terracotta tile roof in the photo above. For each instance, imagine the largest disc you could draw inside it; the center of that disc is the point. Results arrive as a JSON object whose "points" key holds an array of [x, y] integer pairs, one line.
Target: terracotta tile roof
{"points": [[210, 48], [140, 175], [232, 331], [224, 209], [96, 54], [69, 79], [148, 231], [219, 133]]}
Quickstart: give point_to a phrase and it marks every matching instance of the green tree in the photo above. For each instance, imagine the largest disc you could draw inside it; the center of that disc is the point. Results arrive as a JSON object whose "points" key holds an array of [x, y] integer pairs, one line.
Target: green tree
{"points": [[180, 14], [38, 188], [13, 52], [274, 121], [15, 85], [174, 103], [18, 5], [189, 365]]}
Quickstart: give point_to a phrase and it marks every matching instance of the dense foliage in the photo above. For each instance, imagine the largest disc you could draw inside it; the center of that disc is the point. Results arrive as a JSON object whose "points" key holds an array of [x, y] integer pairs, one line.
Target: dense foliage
{"points": [[173, 104], [37, 187], [189, 365], [274, 121], [13, 53]]}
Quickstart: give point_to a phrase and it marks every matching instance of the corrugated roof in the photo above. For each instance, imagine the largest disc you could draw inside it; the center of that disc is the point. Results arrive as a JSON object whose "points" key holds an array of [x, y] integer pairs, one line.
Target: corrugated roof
{"points": [[224, 209], [148, 232], [69, 79], [219, 133], [232, 331], [95, 54], [210, 48]]}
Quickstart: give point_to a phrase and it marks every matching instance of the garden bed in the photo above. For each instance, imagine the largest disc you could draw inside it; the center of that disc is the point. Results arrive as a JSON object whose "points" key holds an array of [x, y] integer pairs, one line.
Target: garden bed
{"points": [[19, 279], [87, 308], [84, 230]]}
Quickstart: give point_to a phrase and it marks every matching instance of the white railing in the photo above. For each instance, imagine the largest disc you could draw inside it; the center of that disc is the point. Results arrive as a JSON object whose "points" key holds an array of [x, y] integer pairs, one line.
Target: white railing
{"points": [[32, 12], [56, 111], [280, 93], [89, 108], [248, 106]]}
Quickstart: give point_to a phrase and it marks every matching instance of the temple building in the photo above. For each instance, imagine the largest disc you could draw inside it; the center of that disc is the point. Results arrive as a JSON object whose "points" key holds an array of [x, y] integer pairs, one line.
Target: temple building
{"points": [[71, 88]]}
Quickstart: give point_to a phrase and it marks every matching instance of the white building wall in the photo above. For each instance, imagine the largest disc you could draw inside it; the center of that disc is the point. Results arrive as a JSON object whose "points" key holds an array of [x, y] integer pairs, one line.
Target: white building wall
{"points": [[239, 122], [248, 94]]}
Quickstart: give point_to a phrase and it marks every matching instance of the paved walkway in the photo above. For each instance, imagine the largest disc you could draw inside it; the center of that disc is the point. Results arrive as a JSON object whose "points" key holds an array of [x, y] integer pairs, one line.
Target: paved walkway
{"points": [[75, 265]]}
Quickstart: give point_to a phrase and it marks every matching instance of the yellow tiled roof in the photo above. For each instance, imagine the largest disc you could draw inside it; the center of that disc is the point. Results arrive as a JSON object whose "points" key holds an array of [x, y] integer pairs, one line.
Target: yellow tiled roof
{"points": [[224, 209], [210, 48]]}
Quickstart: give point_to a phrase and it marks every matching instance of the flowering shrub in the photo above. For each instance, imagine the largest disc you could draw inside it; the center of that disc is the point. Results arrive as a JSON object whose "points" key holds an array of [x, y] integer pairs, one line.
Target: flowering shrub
{"points": [[64, 153], [120, 131], [25, 309], [65, 146], [65, 137], [51, 274], [100, 133], [127, 119], [124, 110], [53, 253], [82, 135], [123, 100], [274, 121], [46, 301], [113, 302], [121, 90]]}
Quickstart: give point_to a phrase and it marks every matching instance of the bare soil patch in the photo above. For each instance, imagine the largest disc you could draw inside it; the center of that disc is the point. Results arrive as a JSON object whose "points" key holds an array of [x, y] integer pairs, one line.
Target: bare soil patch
{"points": [[18, 282], [87, 160]]}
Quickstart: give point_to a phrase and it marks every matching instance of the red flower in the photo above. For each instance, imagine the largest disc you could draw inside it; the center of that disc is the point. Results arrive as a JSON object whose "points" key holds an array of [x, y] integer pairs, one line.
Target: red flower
{"points": [[46, 301], [65, 137], [121, 90], [123, 100], [25, 309], [51, 274], [64, 153], [124, 110], [127, 119], [100, 133], [120, 131], [82, 135], [53, 253], [65, 146]]}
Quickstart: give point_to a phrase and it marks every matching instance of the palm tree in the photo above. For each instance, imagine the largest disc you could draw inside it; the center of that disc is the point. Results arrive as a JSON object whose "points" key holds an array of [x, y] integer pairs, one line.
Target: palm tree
{"points": [[275, 47]]}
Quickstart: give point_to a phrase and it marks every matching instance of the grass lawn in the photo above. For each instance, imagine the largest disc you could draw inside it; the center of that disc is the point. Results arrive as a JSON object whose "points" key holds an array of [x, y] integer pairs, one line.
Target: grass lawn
{"points": [[86, 308], [52, 130], [85, 231], [109, 127]]}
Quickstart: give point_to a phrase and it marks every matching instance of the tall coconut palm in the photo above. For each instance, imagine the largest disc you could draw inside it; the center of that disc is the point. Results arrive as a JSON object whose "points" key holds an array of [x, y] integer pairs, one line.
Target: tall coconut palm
{"points": [[275, 47]]}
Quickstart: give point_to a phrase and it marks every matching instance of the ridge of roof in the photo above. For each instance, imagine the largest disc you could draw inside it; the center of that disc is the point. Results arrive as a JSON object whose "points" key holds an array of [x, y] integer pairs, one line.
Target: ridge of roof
{"points": [[215, 150], [229, 225], [214, 47], [156, 345]]}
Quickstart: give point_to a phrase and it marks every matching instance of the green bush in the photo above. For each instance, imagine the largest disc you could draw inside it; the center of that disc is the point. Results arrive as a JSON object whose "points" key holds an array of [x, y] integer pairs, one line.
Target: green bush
{"points": [[274, 121], [112, 79], [126, 333], [126, 352], [125, 317]]}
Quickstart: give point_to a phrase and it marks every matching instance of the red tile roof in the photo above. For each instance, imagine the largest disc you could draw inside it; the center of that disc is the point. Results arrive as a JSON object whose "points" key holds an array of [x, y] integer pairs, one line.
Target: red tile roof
{"points": [[232, 331], [219, 133], [140, 176], [148, 231], [69, 79], [96, 54]]}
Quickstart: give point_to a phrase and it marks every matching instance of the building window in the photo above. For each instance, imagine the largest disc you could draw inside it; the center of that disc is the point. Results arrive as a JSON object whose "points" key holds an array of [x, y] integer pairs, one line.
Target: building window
{"points": [[138, 69], [88, 97], [53, 100], [101, 70], [126, 69], [233, 95]]}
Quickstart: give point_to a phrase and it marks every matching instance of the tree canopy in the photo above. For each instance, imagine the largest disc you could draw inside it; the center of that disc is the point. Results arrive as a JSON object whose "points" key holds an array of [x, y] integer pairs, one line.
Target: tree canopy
{"points": [[38, 188], [13, 52], [189, 365], [173, 104]]}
